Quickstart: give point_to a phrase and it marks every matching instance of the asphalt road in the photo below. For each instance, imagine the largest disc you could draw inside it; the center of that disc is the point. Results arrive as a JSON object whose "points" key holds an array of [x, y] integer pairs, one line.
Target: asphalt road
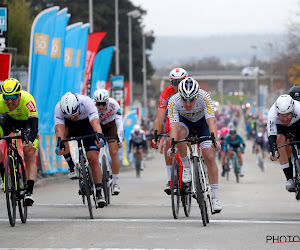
{"points": [[256, 212]]}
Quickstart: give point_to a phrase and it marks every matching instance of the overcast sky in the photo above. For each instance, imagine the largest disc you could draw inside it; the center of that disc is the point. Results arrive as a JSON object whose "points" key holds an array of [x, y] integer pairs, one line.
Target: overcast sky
{"points": [[212, 17]]}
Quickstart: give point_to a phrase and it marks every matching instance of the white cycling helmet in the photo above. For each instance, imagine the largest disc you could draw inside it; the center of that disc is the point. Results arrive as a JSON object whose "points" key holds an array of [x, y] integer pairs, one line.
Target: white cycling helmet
{"points": [[136, 128], [101, 95], [284, 104], [176, 75], [69, 103], [188, 88]]}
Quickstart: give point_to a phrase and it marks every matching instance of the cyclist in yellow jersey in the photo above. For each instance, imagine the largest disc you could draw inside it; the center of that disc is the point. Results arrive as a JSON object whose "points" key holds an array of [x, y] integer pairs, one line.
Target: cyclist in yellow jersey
{"points": [[18, 110]]}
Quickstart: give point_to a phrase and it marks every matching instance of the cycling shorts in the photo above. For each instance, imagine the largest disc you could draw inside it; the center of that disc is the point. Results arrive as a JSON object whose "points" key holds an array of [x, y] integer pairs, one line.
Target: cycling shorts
{"points": [[7, 124], [109, 130], [200, 127], [293, 129], [139, 145], [81, 128], [235, 149]]}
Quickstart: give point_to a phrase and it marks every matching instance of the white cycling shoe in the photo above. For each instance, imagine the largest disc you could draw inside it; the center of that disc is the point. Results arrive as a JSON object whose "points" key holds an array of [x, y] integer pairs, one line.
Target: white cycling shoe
{"points": [[290, 185], [186, 175], [217, 207]]}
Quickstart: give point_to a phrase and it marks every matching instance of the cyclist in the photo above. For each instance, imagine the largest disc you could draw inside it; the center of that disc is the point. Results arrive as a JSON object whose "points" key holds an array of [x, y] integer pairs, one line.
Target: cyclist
{"points": [[76, 115], [176, 76], [283, 118], [222, 137], [137, 139], [192, 108], [112, 124], [235, 143], [295, 92], [18, 110], [260, 143]]}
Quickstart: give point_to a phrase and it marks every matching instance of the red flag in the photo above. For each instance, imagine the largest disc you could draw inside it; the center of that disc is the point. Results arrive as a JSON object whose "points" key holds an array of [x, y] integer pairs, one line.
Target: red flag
{"points": [[4, 66], [94, 41]]}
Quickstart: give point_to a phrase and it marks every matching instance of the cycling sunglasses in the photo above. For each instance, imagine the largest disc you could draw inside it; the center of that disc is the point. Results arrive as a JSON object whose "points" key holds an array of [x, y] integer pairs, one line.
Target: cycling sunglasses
{"points": [[176, 82], [12, 97], [101, 103], [189, 99]]}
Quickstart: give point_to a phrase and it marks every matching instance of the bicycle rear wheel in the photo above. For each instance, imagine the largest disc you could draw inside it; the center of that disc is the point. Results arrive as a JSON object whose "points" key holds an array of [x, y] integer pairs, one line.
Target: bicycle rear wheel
{"points": [[87, 188], [199, 178], [105, 180], [10, 190], [236, 168], [175, 188], [137, 162], [186, 200], [297, 178], [21, 189]]}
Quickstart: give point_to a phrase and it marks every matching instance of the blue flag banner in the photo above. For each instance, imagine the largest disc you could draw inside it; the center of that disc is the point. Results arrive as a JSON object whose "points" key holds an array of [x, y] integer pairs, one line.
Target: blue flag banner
{"points": [[101, 68], [70, 69]]}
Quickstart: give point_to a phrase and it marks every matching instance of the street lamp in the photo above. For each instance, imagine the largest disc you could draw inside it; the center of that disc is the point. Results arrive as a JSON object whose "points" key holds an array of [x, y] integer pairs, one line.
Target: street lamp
{"points": [[117, 36], [149, 33], [256, 79], [134, 14]]}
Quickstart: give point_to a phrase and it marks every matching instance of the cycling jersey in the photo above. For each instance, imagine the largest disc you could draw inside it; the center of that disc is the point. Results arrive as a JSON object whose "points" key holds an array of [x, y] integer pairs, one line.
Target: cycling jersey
{"points": [[164, 97], [137, 138], [112, 114], [202, 108], [87, 109], [234, 143], [26, 109], [273, 119]]}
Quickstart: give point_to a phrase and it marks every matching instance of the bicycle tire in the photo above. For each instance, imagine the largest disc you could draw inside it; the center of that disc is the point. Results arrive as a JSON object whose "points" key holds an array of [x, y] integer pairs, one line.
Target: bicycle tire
{"points": [[199, 189], [236, 168], [175, 188], [86, 187], [186, 200], [105, 180], [21, 188], [137, 164], [227, 167], [297, 178], [10, 190]]}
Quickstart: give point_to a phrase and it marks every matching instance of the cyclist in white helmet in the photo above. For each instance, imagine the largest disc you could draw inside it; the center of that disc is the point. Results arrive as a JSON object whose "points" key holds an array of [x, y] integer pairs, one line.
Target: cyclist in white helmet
{"points": [[76, 115], [111, 121], [192, 109], [137, 139], [283, 118], [176, 76]]}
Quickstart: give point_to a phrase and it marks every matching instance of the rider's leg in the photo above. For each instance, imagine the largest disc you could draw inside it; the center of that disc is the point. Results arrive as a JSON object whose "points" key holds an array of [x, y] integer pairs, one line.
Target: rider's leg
{"points": [[240, 161], [141, 152], [284, 158], [115, 163], [168, 159], [31, 172], [223, 163]]}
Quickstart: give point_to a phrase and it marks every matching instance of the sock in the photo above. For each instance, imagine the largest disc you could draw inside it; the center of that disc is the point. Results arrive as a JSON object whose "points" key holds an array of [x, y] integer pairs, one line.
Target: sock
{"points": [[98, 189], [290, 162], [30, 184], [70, 161], [214, 191], [288, 171], [185, 162], [169, 171], [2, 170], [115, 178]]}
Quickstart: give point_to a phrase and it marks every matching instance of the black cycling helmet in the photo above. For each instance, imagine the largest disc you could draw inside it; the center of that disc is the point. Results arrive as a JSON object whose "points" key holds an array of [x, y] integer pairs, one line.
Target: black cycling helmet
{"points": [[295, 92], [232, 132]]}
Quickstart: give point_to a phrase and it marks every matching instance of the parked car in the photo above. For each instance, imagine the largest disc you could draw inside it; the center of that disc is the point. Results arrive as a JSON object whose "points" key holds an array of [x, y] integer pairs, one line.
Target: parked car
{"points": [[251, 71]]}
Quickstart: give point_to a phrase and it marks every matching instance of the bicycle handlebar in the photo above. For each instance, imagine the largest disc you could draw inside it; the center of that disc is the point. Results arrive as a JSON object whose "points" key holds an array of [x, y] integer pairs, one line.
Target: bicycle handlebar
{"points": [[25, 136], [60, 141], [157, 136]]}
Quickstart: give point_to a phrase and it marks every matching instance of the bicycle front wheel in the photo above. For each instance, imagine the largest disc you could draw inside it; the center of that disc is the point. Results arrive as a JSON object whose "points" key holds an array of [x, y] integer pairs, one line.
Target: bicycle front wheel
{"points": [[297, 178], [137, 162], [199, 179], [236, 168], [10, 190], [105, 180], [175, 188], [87, 188], [186, 199], [21, 189]]}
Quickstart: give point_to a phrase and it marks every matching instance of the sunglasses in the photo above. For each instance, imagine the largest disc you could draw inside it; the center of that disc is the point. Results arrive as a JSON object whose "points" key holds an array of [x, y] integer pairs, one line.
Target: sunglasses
{"points": [[176, 82], [12, 97], [101, 103], [189, 99], [289, 115]]}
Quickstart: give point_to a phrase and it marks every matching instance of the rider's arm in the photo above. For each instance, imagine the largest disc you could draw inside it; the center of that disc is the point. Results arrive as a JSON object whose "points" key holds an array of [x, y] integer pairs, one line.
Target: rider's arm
{"points": [[272, 142], [161, 113], [242, 142], [59, 131], [33, 125], [120, 128], [173, 115], [95, 123], [211, 122]]}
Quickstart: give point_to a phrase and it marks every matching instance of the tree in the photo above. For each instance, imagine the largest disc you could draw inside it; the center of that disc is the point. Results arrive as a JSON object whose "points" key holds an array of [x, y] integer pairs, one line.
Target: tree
{"points": [[104, 20]]}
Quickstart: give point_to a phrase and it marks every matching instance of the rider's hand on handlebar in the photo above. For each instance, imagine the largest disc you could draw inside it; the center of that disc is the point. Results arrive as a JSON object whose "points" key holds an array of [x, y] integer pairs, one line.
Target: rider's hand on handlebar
{"points": [[276, 156], [154, 144], [30, 144], [170, 152], [218, 146]]}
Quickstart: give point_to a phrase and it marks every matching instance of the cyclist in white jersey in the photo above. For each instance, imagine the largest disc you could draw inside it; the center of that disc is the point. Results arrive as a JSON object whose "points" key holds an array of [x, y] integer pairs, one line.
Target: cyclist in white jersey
{"points": [[137, 139], [283, 118], [192, 108], [112, 124], [76, 115]]}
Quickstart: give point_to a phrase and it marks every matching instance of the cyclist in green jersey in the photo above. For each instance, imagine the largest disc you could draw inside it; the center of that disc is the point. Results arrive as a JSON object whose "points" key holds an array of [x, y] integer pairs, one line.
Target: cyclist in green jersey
{"points": [[18, 111]]}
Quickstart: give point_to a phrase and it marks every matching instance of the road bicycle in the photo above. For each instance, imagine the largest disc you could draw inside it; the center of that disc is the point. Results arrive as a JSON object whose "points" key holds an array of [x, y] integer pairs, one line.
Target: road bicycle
{"points": [[86, 183], [234, 164], [180, 191], [200, 187], [296, 175], [15, 183], [137, 162], [106, 169]]}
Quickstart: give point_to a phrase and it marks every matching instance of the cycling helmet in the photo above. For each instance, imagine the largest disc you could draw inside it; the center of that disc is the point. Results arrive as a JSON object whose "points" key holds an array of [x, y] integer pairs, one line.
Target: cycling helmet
{"points": [[232, 132], [295, 92], [136, 128], [69, 103], [224, 131], [176, 75], [284, 104], [11, 86], [188, 88], [101, 95], [259, 134]]}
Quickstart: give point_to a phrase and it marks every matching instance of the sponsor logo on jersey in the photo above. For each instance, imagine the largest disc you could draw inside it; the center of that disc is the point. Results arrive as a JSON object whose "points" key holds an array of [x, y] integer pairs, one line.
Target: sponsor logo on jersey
{"points": [[108, 114], [209, 109], [192, 114], [170, 110], [30, 105]]}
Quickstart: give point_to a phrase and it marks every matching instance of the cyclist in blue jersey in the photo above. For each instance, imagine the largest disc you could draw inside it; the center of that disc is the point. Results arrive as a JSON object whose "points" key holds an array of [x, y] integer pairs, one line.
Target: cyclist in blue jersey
{"points": [[235, 143]]}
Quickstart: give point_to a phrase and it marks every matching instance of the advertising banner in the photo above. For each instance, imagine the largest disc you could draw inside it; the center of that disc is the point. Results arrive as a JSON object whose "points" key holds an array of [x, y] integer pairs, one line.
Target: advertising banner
{"points": [[3, 27], [4, 66], [101, 68], [94, 41]]}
